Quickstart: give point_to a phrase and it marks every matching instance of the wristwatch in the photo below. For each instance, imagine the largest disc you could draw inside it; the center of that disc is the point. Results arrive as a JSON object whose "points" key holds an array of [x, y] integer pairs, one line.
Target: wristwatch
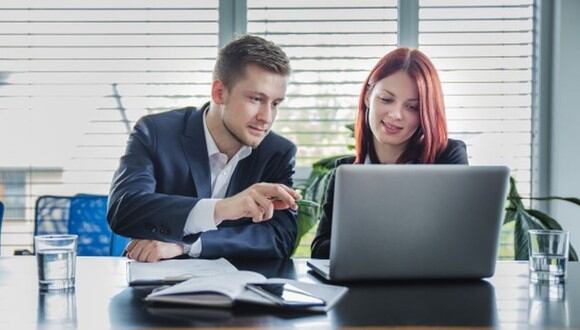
{"points": [[186, 248]]}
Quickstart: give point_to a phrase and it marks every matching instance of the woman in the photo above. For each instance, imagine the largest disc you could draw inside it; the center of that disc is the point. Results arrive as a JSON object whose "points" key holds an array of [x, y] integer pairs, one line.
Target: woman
{"points": [[400, 120]]}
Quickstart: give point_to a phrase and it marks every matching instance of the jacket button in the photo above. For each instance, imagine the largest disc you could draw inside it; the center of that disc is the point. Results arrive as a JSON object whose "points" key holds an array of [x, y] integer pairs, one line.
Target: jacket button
{"points": [[153, 229], [164, 230]]}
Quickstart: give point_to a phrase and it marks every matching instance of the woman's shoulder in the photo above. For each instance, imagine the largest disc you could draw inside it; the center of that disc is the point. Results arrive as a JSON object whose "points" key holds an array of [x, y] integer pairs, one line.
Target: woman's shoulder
{"points": [[344, 160], [455, 153], [454, 144]]}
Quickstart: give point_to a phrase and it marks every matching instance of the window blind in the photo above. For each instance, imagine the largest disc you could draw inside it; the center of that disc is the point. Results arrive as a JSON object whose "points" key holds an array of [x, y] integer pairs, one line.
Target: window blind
{"points": [[74, 78], [483, 51], [332, 46]]}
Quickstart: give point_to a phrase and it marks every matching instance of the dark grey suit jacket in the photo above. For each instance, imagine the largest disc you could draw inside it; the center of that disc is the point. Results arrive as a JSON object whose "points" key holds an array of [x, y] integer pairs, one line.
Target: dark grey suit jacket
{"points": [[165, 172]]}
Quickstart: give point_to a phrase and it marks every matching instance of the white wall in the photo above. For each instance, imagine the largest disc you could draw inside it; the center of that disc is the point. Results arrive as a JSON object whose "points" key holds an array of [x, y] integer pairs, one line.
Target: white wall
{"points": [[565, 129]]}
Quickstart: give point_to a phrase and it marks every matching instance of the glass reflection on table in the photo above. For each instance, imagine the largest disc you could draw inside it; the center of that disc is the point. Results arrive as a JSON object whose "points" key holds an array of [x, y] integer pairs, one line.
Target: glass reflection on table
{"points": [[548, 305], [57, 309]]}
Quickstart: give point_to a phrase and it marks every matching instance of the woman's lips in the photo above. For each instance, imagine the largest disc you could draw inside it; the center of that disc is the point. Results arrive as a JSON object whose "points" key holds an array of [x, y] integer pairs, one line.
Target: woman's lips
{"points": [[390, 128]]}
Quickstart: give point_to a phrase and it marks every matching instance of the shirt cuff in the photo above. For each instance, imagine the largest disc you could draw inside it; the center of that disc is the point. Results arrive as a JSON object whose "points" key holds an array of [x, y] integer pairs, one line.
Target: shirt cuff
{"points": [[195, 250], [201, 217]]}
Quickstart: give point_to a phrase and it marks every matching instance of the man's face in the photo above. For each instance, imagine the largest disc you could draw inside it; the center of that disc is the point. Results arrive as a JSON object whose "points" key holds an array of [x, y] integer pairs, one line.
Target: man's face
{"points": [[250, 106]]}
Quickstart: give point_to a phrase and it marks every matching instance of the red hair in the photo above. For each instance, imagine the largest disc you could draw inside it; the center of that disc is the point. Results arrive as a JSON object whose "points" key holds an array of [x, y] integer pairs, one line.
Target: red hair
{"points": [[431, 136]]}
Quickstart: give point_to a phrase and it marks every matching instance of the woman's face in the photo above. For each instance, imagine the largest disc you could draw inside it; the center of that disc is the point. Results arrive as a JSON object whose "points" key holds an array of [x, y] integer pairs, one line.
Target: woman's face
{"points": [[393, 105]]}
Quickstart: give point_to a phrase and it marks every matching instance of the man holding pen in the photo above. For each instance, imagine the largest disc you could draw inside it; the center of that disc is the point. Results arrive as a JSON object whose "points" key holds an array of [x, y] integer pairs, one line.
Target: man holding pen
{"points": [[213, 182]]}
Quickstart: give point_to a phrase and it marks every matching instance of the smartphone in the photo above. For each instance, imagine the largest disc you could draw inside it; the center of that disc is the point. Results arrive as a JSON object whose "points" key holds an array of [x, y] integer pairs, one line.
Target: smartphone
{"points": [[284, 294]]}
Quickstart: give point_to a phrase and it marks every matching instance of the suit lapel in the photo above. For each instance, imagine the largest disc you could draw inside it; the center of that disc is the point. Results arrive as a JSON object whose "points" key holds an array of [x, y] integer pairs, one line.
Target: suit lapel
{"points": [[195, 150], [242, 174]]}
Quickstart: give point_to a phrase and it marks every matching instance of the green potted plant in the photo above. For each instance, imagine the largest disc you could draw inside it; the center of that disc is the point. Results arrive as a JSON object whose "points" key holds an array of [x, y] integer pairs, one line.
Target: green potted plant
{"points": [[527, 218]]}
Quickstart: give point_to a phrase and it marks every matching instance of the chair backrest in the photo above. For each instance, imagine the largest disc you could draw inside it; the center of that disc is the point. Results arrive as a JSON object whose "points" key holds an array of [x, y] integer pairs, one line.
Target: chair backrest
{"points": [[51, 215], [83, 215], [118, 244], [88, 220]]}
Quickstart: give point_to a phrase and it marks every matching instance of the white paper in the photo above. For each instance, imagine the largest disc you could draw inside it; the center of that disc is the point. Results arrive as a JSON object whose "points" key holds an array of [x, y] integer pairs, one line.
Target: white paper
{"points": [[176, 270]]}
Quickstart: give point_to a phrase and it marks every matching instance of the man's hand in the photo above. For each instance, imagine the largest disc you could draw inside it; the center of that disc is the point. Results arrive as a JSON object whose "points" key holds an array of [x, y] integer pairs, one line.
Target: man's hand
{"points": [[257, 202], [152, 251]]}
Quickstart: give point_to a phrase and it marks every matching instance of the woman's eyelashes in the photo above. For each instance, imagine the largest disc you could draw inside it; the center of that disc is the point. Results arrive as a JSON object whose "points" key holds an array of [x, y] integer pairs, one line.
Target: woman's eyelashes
{"points": [[390, 100], [386, 100]]}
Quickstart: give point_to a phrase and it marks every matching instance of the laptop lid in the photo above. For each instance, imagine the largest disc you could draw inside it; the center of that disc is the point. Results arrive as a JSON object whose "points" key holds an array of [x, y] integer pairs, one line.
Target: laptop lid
{"points": [[416, 221]]}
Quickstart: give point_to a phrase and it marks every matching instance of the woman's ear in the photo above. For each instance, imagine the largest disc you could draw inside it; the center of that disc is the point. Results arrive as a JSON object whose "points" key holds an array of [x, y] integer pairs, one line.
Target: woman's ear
{"points": [[218, 92], [367, 97]]}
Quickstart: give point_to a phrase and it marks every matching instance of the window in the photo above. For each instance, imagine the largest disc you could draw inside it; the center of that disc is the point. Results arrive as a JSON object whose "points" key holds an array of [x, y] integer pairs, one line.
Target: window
{"points": [[76, 75], [13, 194], [79, 74]]}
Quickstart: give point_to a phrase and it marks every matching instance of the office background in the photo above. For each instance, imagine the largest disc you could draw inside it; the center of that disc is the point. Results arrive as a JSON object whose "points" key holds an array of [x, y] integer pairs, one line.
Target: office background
{"points": [[74, 77]]}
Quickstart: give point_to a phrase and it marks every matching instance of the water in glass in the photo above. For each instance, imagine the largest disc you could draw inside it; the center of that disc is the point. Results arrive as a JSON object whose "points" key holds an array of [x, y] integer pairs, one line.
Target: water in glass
{"points": [[546, 267], [56, 268]]}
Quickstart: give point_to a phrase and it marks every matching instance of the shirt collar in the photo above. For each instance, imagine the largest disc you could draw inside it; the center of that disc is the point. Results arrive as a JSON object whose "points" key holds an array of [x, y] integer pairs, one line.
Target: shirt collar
{"points": [[212, 148]]}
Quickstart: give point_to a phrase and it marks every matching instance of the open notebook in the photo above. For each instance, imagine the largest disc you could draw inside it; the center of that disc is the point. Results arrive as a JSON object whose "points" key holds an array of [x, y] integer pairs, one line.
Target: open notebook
{"points": [[217, 283]]}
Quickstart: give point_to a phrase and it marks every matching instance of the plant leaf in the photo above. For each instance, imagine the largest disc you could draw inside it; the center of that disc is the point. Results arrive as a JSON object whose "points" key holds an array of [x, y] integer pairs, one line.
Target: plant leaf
{"points": [[510, 215], [524, 222], [350, 127], [520, 236], [573, 200], [572, 256], [513, 195], [547, 221]]}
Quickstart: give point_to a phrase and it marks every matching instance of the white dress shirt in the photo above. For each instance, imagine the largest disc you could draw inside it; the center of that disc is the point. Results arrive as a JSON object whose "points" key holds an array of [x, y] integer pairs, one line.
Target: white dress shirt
{"points": [[201, 217]]}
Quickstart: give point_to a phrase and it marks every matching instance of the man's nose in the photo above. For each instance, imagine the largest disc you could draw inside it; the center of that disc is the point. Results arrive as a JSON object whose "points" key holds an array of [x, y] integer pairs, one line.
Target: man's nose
{"points": [[265, 113]]}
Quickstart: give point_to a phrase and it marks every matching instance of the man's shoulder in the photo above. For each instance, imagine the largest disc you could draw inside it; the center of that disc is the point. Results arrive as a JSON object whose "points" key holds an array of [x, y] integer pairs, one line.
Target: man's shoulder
{"points": [[168, 117]]}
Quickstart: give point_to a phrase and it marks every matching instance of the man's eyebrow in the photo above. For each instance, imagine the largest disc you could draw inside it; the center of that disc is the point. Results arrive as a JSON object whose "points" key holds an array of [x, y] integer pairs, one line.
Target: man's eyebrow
{"points": [[264, 95]]}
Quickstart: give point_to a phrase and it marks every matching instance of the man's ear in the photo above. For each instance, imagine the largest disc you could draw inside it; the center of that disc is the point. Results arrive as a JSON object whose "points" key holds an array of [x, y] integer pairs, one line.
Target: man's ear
{"points": [[218, 92]]}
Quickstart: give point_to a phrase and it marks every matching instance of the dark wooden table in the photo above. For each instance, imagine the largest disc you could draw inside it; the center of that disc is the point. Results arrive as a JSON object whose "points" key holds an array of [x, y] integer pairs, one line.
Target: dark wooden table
{"points": [[102, 300]]}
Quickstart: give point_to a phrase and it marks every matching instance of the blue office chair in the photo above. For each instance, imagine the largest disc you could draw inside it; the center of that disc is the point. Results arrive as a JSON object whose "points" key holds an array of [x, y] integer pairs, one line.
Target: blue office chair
{"points": [[82, 214], [88, 220], [118, 244], [51, 214]]}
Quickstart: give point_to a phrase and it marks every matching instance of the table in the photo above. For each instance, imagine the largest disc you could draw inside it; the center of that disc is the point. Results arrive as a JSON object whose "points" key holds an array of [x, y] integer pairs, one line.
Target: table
{"points": [[102, 300]]}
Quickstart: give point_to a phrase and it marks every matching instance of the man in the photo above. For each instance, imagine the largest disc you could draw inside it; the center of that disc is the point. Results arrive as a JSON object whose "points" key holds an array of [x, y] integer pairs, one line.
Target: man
{"points": [[213, 182]]}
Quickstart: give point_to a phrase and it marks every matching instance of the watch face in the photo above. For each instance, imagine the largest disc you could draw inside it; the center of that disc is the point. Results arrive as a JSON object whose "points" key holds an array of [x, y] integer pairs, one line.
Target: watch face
{"points": [[186, 248]]}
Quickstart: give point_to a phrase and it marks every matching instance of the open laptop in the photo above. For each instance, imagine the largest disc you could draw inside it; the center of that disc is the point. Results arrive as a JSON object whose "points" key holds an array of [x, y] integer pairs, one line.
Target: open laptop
{"points": [[415, 222]]}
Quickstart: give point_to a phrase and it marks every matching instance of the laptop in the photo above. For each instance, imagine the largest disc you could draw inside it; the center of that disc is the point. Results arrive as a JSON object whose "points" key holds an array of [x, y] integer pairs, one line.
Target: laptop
{"points": [[415, 222]]}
